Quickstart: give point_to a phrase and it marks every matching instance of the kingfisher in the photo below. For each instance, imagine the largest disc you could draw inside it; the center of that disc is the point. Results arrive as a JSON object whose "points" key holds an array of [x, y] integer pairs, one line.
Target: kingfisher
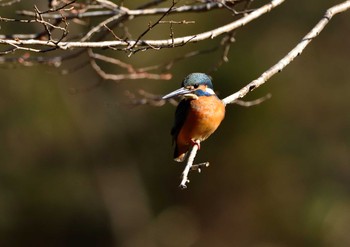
{"points": [[198, 114]]}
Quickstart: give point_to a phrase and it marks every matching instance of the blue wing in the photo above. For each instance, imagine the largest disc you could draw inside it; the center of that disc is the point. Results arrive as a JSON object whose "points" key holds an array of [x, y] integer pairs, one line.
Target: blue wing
{"points": [[180, 118]]}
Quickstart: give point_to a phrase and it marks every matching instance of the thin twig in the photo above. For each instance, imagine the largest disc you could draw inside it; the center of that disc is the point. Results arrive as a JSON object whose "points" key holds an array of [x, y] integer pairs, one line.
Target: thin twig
{"points": [[104, 23], [132, 76], [252, 102], [152, 26], [9, 3], [111, 60], [57, 9], [225, 43], [129, 12], [146, 99]]}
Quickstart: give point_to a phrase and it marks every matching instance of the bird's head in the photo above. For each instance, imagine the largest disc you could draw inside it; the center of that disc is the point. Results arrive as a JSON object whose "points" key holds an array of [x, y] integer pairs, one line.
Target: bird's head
{"points": [[193, 86]]}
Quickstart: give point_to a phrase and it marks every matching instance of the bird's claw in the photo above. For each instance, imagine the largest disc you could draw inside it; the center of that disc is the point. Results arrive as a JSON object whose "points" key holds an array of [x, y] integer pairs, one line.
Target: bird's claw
{"points": [[197, 143]]}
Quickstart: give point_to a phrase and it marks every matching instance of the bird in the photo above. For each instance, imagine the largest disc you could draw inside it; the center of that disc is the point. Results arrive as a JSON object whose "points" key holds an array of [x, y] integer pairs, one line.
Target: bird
{"points": [[198, 114]]}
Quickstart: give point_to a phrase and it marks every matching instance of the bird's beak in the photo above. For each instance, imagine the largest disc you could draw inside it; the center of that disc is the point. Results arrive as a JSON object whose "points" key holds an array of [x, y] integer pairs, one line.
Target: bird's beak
{"points": [[178, 92]]}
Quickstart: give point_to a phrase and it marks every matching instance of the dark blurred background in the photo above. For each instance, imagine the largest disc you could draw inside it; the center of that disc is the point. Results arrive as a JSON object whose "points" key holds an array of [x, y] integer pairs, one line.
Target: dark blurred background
{"points": [[81, 168]]}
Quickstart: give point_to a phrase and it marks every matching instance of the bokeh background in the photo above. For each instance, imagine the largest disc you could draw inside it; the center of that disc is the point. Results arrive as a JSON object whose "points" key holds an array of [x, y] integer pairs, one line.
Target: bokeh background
{"points": [[81, 168]]}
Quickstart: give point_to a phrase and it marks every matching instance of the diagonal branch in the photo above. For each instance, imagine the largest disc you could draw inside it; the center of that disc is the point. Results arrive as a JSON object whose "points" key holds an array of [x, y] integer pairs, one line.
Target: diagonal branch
{"points": [[296, 51]]}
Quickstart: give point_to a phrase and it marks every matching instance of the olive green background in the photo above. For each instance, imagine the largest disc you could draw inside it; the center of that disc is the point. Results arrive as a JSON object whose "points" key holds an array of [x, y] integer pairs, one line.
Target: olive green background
{"points": [[82, 168]]}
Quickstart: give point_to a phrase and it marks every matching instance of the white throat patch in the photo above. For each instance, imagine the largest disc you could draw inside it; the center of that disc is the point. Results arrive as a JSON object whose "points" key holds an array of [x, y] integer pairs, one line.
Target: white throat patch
{"points": [[209, 91]]}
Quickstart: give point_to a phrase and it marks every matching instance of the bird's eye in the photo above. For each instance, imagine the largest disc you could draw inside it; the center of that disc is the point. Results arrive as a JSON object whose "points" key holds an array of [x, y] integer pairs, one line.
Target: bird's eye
{"points": [[196, 85]]}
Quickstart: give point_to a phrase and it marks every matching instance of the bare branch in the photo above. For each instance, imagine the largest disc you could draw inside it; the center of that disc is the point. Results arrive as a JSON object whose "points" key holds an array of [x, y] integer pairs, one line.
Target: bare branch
{"points": [[296, 51], [111, 60], [176, 22], [225, 43], [146, 98], [129, 12], [252, 102], [131, 76], [59, 8], [9, 3], [98, 28], [107, 4], [190, 166], [156, 43]]}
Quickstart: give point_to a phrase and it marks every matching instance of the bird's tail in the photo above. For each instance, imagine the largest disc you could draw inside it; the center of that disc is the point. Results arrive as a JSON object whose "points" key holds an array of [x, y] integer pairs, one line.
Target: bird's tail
{"points": [[179, 154]]}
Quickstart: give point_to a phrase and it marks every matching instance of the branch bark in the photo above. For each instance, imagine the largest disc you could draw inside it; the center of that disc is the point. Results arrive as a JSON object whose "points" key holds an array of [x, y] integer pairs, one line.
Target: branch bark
{"points": [[189, 164]]}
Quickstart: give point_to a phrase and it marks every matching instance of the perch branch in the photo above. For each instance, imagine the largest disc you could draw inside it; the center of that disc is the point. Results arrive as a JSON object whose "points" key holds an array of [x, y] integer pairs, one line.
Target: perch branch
{"points": [[190, 166], [296, 51], [269, 73]]}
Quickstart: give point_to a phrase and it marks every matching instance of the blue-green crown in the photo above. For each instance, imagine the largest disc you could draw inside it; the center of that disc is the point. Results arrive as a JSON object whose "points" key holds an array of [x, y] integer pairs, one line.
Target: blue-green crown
{"points": [[197, 79]]}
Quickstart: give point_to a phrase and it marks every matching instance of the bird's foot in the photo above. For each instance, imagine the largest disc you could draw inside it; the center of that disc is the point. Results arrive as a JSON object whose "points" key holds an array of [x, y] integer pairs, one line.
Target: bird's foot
{"points": [[196, 142]]}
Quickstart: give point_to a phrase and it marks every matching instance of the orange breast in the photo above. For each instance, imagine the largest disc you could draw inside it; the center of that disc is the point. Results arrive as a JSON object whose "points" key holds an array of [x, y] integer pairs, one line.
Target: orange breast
{"points": [[204, 117]]}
